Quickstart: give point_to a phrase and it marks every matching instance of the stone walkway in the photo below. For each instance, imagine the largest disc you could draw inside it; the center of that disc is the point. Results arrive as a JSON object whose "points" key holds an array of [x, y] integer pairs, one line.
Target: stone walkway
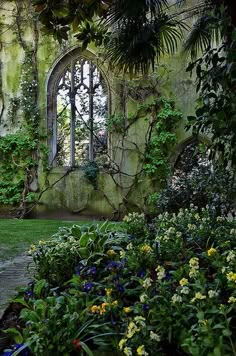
{"points": [[13, 274]]}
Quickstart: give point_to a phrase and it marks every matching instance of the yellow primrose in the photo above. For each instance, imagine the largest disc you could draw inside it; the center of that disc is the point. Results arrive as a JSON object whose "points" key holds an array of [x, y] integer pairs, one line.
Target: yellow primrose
{"points": [[141, 350], [115, 302], [183, 282], [95, 309], [231, 276], [146, 249], [108, 291], [128, 351], [211, 252], [122, 342], [127, 309], [199, 296], [232, 300], [111, 253], [103, 308]]}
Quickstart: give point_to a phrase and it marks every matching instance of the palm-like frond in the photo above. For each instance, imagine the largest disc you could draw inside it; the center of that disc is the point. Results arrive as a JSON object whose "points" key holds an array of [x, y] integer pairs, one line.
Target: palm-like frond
{"points": [[135, 46], [204, 32], [122, 10]]}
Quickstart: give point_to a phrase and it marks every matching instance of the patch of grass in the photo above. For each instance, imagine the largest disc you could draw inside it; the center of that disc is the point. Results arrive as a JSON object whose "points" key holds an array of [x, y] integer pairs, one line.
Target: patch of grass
{"points": [[16, 236]]}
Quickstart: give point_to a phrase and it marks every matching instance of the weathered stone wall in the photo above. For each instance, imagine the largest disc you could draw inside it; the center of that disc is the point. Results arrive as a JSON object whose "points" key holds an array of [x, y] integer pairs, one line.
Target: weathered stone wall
{"points": [[70, 191]]}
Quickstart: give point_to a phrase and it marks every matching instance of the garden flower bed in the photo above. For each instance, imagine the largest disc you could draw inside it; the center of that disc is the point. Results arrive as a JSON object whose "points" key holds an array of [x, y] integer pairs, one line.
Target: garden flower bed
{"points": [[165, 288]]}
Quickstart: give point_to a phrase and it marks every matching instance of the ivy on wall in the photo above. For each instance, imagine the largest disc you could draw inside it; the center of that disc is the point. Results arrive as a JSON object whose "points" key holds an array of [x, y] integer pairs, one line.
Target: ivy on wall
{"points": [[162, 138], [19, 150]]}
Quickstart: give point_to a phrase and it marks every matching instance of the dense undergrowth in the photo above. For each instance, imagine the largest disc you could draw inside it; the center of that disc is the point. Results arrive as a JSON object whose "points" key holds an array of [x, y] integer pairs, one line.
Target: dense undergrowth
{"points": [[163, 288]]}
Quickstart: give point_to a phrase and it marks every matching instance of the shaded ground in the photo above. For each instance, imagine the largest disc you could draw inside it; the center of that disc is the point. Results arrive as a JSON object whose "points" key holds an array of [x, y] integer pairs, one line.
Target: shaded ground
{"points": [[14, 273]]}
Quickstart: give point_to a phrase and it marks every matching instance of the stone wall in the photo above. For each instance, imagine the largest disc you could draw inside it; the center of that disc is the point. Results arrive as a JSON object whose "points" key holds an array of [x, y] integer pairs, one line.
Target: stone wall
{"points": [[126, 188]]}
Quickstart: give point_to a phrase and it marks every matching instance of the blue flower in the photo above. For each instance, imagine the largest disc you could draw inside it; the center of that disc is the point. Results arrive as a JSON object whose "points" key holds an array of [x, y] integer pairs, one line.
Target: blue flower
{"points": [[29, 294], [114, 265], [141, 273], [88, 286], [92, 271], [168, 276], [145, 307], [78, 269], [120, 288], [24, 352]]}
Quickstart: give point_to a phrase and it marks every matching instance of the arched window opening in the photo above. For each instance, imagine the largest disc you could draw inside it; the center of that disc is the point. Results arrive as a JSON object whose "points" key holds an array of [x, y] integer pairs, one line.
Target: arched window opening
{"points": [[81, 112]]}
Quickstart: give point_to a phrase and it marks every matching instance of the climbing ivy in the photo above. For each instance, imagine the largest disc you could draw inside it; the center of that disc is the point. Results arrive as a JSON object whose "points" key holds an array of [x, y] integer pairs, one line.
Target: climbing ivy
{"points": [[161, 138], [16, 152]]}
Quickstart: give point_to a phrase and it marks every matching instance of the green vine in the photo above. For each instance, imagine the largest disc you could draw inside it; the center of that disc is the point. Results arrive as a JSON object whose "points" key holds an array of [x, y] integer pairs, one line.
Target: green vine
{"points": [[91, 171], [14, 105], [162, 137], [16, 151]]}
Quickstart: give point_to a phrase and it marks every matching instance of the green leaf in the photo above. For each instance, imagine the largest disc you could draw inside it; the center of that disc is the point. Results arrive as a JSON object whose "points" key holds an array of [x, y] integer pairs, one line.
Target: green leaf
{"points": [[15, 334]]}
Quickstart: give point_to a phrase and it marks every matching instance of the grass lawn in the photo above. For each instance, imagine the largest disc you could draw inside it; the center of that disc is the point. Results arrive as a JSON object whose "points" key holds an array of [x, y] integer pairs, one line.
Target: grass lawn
{"points": [[16, 236]]}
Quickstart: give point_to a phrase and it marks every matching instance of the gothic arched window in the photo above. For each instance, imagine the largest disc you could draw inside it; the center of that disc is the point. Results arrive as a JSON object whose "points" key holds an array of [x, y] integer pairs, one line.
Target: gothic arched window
{"points": [[77, 112]]}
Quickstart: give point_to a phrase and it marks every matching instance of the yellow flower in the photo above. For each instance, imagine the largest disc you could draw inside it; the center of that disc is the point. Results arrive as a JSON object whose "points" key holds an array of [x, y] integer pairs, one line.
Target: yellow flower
{"points": [[194, 262], [231, 276], [127, 309], [232, 300], [41, 242], [122, 343], [146, 249], [211, 252], [115, 302], [108, 291], [183, 282], [103, 308], [199, 296], [111, 253], [141, 350], [94, 309]]}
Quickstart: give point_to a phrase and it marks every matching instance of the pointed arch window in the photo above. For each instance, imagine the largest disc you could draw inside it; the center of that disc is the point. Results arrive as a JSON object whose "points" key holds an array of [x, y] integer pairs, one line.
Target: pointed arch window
{"points": [[79, 110]]}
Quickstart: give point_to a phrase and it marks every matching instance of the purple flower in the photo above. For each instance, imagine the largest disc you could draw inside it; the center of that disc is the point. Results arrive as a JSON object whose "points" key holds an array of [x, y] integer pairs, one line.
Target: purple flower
{"points": [[29, 294], [114, 265], [88, 286], [78, 269], [141, 273], [92, 271], [168, 276], [120, 288], [145, 307]]}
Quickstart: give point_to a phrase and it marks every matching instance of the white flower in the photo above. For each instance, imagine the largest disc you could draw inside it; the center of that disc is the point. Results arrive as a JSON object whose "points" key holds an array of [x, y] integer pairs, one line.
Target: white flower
{"points": [[143, 298], [176, 298], [129, 246], [154, 336], [147, 282], [231, 256], [212, 293], [127, 351], [185, 290], [160, 272]]}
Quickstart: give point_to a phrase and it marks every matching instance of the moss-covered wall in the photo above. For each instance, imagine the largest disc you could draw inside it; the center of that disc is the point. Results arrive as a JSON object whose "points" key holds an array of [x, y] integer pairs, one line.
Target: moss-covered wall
{"points": [[119, 189]]}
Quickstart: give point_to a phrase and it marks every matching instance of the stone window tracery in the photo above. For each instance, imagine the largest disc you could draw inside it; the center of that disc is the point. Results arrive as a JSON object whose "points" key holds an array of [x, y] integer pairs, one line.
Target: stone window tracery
{"points": [[77, 111]]}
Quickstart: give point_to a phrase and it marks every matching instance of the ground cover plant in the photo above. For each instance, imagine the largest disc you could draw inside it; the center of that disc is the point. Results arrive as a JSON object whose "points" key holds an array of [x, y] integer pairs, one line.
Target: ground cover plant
{"points": [[168, 286]]}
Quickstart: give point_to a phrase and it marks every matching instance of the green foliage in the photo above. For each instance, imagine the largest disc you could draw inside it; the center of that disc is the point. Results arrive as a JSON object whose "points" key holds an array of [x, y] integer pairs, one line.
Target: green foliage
{"points": [[116, 123], [216, 106], [58, 257], [162, 138], [13, 108], [16, 151], [196, 181], [179, 294], [91, 170]]}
